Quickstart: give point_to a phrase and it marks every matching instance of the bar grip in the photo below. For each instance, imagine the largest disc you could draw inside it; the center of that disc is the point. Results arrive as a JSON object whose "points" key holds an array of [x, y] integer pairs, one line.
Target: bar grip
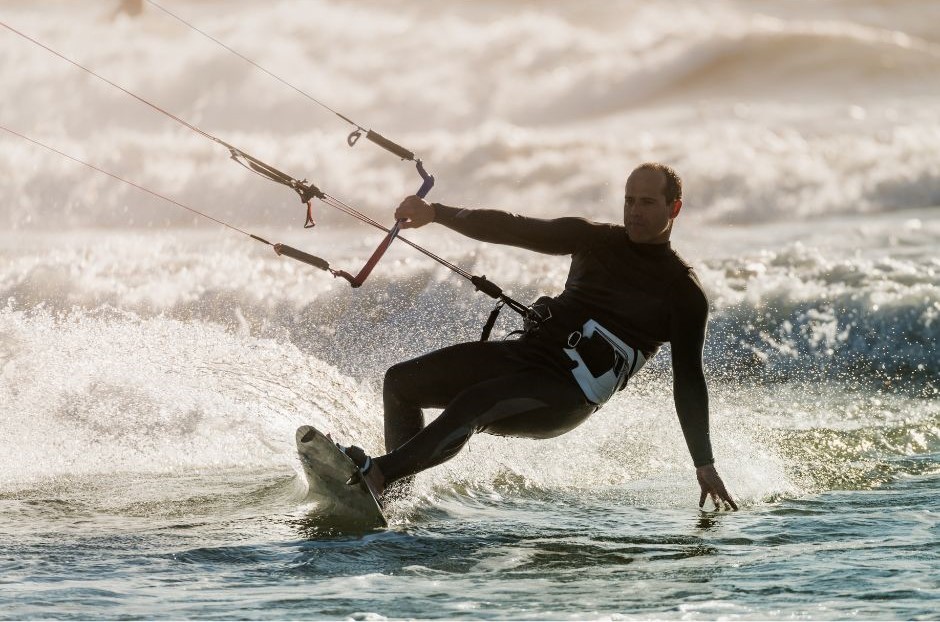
{"points": [[293, 253], [388, 145], [359, 279]]}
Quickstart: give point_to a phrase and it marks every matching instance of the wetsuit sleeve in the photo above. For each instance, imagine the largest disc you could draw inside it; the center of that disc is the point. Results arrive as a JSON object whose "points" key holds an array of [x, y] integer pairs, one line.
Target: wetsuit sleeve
{"points": [[559, 236], [689, 319]]}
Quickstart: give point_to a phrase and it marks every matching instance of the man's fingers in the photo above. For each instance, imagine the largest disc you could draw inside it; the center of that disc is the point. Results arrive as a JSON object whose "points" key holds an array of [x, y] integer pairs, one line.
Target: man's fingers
{"points": [[713, 487], [406, 201], [409, 203], [723, 493], [719, 497], [729, 500]]}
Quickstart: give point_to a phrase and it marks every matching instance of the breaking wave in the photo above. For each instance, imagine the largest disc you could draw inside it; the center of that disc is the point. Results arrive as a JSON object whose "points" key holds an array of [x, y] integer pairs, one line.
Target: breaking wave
{"points": [[770, 113]]}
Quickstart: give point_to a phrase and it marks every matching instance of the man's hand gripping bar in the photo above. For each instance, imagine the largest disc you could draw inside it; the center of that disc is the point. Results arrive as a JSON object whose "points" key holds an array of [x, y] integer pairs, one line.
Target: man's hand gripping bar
{"points": [[359, 279]]}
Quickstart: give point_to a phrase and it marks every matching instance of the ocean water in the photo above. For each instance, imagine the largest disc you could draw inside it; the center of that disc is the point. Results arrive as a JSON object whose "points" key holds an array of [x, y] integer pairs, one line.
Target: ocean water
{"points": [[154, 367]]}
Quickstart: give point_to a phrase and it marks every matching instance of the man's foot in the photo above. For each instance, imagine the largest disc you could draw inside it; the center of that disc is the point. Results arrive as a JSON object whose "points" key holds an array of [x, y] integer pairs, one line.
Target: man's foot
{"points": [[368, 470]]}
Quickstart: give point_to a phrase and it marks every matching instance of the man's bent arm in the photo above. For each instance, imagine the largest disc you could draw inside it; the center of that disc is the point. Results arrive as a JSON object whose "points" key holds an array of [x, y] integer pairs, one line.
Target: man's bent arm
{"points": [[559, 236], [689, 319]]}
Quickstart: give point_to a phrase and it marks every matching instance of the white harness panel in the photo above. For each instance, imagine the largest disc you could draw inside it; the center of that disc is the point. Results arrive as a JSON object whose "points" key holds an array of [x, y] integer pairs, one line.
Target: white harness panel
{"points": [[625, 361]]}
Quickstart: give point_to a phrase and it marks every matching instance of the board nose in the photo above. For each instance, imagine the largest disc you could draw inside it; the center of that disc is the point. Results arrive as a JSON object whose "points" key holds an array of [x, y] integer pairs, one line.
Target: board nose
{"points": [[305, 433]]}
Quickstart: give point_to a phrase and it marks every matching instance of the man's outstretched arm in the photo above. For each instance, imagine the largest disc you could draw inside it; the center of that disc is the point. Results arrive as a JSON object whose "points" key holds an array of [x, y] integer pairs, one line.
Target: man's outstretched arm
{"points": [[689, 320], [559, 236]]}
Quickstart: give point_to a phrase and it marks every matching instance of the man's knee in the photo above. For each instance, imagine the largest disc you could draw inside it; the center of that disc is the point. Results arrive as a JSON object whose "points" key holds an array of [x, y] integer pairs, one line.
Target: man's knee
{"points": [[403, 416], [398, 379]]}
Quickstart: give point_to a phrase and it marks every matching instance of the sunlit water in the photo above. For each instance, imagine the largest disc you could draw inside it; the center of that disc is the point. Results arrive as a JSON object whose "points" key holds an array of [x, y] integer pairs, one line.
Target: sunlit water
{"points": [[235, 545], [152, 372]]}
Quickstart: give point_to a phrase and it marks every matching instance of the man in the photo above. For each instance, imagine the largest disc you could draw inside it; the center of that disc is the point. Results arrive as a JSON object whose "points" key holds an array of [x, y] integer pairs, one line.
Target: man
{"points": [[626, 294]]}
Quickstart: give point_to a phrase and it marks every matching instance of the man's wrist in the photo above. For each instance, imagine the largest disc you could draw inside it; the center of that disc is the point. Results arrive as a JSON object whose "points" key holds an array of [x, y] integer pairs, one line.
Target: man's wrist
{"points": [[444, 214]]}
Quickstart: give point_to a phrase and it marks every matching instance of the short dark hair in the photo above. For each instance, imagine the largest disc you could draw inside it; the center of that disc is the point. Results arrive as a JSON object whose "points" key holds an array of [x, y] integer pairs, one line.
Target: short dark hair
{"points": [[673, 189]]}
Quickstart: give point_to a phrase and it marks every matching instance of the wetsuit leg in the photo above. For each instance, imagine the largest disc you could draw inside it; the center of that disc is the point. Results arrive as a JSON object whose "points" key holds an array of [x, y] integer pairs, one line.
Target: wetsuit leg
{"points": [[531, 403], [435, 380]]}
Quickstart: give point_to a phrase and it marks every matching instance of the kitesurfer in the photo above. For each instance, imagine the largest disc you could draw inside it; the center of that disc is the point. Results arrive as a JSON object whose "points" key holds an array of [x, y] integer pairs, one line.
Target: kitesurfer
{"points": [[627, 293]]}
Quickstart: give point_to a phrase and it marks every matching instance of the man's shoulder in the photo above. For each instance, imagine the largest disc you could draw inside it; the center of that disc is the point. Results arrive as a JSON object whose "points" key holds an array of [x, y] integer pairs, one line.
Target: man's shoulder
{"points": [[687, 292], [603, 232], [591, 234], [682, 262], [600, 228]]}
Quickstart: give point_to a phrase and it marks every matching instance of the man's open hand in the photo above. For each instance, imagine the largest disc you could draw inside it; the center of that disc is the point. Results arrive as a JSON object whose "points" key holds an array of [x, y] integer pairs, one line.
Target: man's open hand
{"points": [[713, 487]]}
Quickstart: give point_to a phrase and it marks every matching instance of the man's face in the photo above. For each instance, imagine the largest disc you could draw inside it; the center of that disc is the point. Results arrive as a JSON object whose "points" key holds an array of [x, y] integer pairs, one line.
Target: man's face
{"points": [[646, 215]]}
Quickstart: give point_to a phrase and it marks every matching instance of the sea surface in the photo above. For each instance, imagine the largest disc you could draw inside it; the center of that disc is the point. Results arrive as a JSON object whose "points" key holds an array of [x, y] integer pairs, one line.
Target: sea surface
{"points": [[154, 365]]}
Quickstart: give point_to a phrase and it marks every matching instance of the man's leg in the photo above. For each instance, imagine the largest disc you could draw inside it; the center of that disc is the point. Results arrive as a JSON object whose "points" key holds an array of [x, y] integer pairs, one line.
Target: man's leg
{"points": [[532, 403], [435, 380]]}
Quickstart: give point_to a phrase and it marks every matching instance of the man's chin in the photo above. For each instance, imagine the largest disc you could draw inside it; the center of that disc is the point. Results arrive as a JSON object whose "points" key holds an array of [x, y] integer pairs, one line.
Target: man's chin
{"points": [[637, 236]]}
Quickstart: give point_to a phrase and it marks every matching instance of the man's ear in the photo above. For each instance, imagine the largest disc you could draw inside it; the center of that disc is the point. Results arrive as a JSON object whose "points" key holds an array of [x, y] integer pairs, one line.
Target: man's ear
{"points": [[675, 208]]}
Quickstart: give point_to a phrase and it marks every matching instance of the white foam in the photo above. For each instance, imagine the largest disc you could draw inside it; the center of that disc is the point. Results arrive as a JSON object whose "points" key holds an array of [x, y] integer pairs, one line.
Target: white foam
{"points": [[107, 392], [768, 112]]}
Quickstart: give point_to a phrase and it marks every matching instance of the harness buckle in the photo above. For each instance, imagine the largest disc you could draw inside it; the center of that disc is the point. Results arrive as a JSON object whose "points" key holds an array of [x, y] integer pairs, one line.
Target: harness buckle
{"points": [[535, 316], [574, 339]]}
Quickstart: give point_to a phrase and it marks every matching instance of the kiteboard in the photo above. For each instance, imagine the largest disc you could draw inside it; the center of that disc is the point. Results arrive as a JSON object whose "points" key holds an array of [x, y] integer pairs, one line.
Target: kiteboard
{"points": [[341, 497]]}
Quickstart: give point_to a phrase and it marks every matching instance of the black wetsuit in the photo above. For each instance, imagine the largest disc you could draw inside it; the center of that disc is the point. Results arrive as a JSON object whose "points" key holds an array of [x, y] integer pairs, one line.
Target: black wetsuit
{"points": [[643, 293]]}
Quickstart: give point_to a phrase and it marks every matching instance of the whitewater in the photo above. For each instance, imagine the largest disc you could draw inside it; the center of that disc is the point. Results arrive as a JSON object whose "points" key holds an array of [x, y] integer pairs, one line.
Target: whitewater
{"points": [[154, 366]]}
